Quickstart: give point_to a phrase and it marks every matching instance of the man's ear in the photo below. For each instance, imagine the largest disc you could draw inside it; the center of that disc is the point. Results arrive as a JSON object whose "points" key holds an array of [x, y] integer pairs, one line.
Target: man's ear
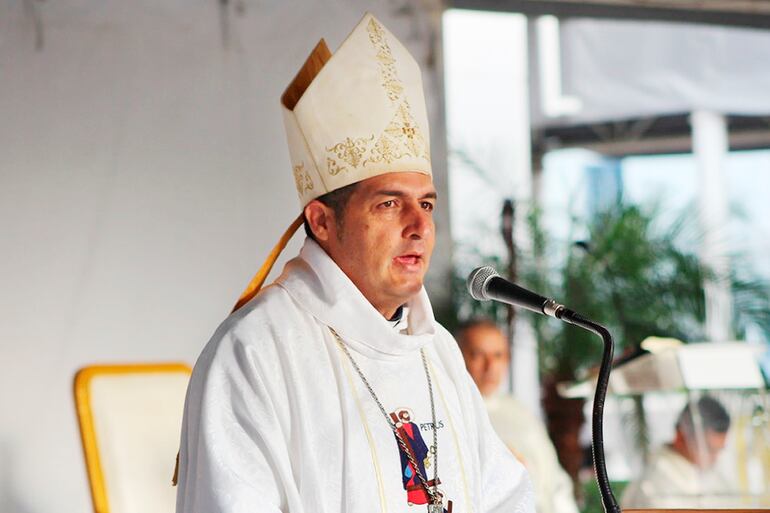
{"points": [[320, 219]]}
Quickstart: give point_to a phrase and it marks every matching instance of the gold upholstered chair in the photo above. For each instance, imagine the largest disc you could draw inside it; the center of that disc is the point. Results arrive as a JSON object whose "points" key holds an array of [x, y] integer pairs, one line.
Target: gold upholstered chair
{"points": [[130, 418]]}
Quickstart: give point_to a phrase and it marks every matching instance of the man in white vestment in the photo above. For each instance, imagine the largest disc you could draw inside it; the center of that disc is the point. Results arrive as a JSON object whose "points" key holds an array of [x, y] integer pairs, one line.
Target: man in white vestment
{"points": [[683, 474], [334, 389], [487, 356]]}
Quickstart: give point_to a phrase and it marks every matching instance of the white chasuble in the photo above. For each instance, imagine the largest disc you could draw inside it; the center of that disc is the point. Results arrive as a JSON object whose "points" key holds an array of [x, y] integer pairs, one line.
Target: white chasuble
{"points": [[278, 419]]}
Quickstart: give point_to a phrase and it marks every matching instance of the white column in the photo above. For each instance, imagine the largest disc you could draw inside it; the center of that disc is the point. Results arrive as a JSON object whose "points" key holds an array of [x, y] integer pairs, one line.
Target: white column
{"points": [[488, 120], [525, 378], [710, 145], [552, 102]]}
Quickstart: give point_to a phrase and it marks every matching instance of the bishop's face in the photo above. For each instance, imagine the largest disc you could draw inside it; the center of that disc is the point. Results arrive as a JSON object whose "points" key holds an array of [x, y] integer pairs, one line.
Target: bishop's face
{"points": [[386, 238]]}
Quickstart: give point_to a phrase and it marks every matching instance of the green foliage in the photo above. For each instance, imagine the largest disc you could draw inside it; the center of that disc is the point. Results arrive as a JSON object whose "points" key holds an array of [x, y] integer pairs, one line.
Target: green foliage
{"points": [[639, 280], [631, 274], [465, 306], [634, 280], [751, 300]]}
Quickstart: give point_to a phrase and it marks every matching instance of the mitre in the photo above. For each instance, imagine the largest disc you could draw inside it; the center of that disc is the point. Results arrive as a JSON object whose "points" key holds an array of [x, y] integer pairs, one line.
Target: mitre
{"points": [[355, 114], [351, 115]]}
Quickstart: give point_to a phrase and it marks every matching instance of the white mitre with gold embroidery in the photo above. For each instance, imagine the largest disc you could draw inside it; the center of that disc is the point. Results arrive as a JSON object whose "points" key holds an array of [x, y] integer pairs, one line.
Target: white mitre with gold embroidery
{"points": [[350, 116], [356, 114]]}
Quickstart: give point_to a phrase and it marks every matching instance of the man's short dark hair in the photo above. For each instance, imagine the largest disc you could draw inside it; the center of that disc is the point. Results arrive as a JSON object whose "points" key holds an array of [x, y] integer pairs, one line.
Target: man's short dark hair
{"points": [[337, 200], [713, 415]]}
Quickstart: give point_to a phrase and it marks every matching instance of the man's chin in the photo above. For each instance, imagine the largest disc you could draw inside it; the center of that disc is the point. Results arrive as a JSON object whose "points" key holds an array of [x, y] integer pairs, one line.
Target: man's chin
{"points": [[407, 289], [488, 390], [412, 286]]}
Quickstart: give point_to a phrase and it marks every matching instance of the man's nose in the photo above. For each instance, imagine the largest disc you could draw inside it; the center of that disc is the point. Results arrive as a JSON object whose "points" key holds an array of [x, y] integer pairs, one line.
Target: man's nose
{"points": [[419, 223]]}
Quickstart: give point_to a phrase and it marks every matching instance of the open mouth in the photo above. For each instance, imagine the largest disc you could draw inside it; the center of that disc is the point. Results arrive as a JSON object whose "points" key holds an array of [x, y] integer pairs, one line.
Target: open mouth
{"points": [[408, 259]]}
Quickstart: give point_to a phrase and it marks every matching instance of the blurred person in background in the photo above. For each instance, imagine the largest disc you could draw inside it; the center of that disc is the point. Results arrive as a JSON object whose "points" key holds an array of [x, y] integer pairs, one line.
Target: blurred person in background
{"points": [[682, 474], [487, 358]]}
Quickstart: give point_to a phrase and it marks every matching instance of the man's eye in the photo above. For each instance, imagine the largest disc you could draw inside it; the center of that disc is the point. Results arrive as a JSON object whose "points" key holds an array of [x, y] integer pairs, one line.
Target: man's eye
{"points": [[388, 204], [427, 205]]}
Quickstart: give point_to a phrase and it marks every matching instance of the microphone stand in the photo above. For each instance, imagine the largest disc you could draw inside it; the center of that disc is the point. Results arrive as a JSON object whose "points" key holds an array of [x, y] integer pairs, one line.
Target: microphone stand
{"points": [[482, 279], [609, 503]]}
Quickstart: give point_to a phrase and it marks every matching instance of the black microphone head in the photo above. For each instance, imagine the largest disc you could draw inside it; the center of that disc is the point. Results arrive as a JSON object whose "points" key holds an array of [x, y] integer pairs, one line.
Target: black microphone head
{"points": [[477, 281]]}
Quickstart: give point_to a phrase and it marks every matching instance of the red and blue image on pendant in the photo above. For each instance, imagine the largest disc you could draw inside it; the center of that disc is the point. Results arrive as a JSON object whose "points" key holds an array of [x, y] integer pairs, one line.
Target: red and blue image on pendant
{"points": [[421, 453]]}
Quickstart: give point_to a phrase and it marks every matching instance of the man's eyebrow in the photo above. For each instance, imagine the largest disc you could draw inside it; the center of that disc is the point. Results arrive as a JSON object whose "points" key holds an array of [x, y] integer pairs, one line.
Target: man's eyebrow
{"points": [[401, 194]]}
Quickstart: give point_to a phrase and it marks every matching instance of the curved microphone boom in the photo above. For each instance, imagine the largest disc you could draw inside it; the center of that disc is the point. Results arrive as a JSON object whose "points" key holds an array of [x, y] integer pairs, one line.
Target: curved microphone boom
{"points": [[484, 283]]}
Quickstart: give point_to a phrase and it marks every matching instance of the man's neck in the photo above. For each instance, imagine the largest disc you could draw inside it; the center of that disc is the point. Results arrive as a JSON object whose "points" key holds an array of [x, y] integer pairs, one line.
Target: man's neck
{"points": [[391, 313], [397, 314]]}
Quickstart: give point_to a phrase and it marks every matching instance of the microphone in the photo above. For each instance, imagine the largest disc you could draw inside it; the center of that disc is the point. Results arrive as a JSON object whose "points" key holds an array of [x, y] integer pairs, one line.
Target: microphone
{"points": [[484, 283]]}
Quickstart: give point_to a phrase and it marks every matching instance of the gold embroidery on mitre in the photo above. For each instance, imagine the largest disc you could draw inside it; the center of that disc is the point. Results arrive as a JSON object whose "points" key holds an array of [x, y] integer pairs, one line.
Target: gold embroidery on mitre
{"points": [[405, 129], [390, 81], [401, 138], [302, 178], [386, 150], [350, 151], [333, 167]]}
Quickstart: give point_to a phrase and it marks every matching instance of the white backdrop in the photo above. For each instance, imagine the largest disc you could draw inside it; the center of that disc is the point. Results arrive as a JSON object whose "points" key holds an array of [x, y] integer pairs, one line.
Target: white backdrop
{"points": [[143, 178], [624, 69]]}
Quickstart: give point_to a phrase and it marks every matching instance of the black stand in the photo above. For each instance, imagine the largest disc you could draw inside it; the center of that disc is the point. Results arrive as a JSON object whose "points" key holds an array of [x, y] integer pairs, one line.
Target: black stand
{"points": [[597, 436]]}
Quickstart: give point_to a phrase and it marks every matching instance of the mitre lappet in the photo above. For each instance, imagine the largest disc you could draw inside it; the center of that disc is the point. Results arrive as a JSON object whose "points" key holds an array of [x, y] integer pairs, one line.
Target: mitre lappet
{"points": [[351, 115]]}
